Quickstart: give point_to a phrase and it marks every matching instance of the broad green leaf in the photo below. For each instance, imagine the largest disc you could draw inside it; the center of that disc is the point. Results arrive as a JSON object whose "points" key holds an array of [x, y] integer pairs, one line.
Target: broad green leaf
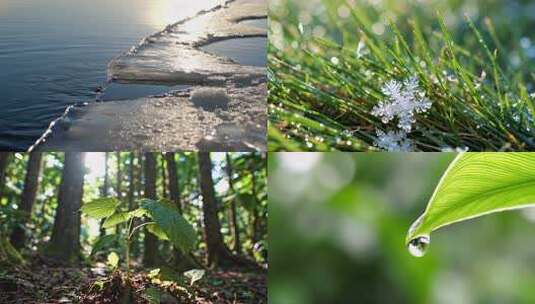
{"points": [[100, 208], [167, 217], [113, 260], [476, 184], [157, 231], [104, 242], [153, 295], [139, 212], [194, 275], [116, 218]]}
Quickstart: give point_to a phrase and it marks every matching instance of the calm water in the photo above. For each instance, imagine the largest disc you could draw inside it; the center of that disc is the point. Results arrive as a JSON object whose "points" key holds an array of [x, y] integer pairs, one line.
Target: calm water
{"points": [[246, 51], [54, 53]]}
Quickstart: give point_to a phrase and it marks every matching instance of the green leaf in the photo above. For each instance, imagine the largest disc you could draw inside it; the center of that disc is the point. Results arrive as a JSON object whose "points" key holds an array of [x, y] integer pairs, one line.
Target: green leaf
{"points": [[116, 218], [113, 260], [139, 212], [104, 242], [100, 208], [157, 231], [194, 275], [476, 184], [175, 227], [153, 295]]}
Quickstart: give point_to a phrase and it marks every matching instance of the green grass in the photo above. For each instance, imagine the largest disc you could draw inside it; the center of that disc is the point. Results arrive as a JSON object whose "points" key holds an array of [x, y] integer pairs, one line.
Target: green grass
{"points": [[327, 74]]}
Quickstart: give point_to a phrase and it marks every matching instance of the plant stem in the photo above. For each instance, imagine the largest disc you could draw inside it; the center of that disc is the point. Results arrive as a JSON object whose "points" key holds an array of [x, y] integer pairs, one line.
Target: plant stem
{"points": [[137, 227], [127, 250]]}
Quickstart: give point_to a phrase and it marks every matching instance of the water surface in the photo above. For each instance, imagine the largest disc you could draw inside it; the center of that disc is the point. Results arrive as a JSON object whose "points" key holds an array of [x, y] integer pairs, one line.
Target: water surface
{"points": [[245, 51], [54, 53]]}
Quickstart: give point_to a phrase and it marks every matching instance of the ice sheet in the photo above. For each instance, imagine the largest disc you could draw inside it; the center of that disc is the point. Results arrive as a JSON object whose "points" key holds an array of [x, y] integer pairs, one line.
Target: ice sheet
{"points": [[174, 55], [166, 123]]}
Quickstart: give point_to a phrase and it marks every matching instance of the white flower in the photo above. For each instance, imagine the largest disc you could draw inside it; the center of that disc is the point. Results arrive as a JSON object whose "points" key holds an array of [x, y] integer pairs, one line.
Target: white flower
{"points": [[393, 141], [403, 101]]}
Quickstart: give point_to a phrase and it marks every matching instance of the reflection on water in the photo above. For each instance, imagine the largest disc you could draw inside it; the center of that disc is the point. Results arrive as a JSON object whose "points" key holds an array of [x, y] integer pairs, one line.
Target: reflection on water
{"points": [[54, 53], [119, 91], [260, 23]]}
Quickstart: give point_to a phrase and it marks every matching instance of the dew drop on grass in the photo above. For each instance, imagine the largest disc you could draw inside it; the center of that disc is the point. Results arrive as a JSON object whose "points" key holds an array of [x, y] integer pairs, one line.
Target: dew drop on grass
{"points": [[418, 246], [335, 60]]}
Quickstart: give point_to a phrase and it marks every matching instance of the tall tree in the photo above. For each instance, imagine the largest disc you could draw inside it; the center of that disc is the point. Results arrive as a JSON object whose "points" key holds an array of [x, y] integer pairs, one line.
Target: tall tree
{"points": [[31, 185], [232, 210], [4, 160], [65, 241], [180, 261], [174, 190], [217, 253], [131, 183], [118, 188], [150, 257], [106, 176], [164, 179]]}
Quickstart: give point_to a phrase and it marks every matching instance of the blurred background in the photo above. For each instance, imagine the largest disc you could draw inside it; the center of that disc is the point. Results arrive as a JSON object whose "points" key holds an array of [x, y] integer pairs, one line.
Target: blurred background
{"points": [[337, 228]]}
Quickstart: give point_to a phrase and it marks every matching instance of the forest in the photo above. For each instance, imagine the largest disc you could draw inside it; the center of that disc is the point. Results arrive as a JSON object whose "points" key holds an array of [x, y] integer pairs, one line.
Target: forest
{"points": [[133, 227]]}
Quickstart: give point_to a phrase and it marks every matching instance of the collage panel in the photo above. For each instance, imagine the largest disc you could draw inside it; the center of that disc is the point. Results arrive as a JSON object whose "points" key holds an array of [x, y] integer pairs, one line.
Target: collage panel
{"points": [[382, 75], [401, 227], [122, 75], [130, 227]]}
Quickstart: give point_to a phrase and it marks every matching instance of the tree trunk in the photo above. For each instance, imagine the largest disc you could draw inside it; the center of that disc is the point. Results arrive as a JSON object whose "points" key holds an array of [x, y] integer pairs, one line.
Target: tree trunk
{"points": [[119, 176], [131, 183], [235, 230], [174, 190], [65, 241], [150, 257], [180, 261], [4, 160], [31, 185], [217, 253], [164, 179], [106, 176]]}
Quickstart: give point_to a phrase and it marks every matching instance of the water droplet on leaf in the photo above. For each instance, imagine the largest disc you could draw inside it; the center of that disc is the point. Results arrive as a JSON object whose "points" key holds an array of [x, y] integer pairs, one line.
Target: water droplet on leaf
{"points": [[418, 246]]}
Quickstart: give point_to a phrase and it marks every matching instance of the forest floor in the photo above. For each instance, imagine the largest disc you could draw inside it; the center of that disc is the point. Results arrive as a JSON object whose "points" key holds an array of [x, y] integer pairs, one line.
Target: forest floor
{"points": [[42, 281]]}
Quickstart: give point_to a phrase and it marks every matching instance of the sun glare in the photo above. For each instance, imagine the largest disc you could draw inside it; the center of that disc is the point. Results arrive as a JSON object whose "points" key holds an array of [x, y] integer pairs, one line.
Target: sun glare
{"points": [[94, 162], [165, 12]]}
